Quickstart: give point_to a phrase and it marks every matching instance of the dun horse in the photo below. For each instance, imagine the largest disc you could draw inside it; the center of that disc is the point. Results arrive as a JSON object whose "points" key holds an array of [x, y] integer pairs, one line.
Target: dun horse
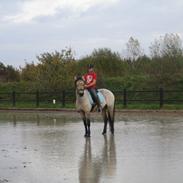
{"points": [[84, 106]]}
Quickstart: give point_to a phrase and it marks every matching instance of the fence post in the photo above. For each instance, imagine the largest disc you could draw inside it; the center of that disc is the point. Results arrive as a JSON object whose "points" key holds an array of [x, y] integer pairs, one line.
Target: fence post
{"points": [[13, 98], [37, 98], [63, 98], [161, 97], [125, 98]]}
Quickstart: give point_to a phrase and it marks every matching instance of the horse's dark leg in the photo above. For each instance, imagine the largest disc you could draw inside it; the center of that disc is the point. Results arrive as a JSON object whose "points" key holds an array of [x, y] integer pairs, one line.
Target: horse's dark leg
{"points": [[88, 124], [84, 122], [104, 114], [111, 120]]}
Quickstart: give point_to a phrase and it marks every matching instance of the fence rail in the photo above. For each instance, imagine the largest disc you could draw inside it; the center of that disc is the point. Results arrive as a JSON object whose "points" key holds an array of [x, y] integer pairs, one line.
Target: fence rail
{"points": [[63, 98]]}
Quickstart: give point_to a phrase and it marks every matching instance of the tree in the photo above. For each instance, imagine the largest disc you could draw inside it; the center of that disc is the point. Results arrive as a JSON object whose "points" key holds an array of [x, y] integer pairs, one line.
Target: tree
{"points": [[55, 70], [172, 46], [134, 50], [108, 63], [169, 45], [155, 49], [8, 73], [12, 74], [2, 71], [29, 72]]}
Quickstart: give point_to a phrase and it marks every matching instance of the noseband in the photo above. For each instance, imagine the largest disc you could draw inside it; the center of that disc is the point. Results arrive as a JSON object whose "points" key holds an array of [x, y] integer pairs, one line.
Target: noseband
{"points": [[80, 91]]}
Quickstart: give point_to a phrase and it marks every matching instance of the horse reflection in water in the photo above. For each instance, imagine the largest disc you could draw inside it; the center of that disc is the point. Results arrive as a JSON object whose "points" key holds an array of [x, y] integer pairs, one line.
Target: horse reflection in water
{"points": [[109, 157], [92, 168]]}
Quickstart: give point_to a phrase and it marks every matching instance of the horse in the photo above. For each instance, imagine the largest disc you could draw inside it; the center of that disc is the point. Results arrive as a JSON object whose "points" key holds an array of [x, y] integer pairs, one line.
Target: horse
{"points": [[84, 106]]}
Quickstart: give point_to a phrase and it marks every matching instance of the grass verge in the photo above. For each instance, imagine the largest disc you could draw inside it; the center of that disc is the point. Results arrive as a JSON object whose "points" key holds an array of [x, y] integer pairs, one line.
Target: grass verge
{"points": [[47, 105]]}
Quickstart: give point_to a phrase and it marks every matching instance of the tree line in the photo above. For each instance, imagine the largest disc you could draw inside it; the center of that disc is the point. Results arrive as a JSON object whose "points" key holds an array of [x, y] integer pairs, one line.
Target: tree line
{"points": [[162, 67]]}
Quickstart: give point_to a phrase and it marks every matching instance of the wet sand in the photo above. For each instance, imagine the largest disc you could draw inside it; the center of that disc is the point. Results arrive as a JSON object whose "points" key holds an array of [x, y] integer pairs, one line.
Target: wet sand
{"points": [[50, 147]]}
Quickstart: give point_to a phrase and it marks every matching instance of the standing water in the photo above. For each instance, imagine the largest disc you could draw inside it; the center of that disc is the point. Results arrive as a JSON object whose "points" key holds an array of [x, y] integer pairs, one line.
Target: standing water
{"points": [[41, 148]]}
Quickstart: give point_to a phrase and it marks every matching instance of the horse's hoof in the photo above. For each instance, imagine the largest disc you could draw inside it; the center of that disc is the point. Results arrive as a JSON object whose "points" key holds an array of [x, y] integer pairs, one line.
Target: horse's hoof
{"points": [[87, 135], [112, 132], [103, 133]]}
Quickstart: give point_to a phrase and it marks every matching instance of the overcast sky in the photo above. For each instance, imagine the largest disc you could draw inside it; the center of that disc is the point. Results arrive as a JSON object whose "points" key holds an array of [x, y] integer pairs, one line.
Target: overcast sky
{"points": [[31, 27]]}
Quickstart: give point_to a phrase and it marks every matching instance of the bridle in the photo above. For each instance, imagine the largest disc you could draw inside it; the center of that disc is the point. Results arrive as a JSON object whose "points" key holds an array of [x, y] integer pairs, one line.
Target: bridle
{"points": [[79, 84]]}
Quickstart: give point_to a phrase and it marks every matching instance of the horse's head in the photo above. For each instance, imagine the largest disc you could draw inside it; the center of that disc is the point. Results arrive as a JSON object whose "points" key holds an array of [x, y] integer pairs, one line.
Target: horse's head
{"points": [[80, 86]]}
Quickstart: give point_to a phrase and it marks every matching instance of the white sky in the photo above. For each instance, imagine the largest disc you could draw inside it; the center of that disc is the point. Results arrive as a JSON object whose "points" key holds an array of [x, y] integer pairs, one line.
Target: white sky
{"points": [[30, 27]]}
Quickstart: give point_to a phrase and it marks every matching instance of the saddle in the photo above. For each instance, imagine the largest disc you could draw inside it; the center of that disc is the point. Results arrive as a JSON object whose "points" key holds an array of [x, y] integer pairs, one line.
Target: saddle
{"points": [[101, 99]]}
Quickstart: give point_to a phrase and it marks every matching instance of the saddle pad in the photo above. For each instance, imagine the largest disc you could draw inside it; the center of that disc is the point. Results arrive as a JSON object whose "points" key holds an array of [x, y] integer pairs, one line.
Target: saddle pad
{"points": [[100, 96]]}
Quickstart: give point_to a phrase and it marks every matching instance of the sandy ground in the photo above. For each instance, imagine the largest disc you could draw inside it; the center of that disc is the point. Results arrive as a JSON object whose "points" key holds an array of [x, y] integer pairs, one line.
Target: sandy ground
{"points": [[40, 147]]}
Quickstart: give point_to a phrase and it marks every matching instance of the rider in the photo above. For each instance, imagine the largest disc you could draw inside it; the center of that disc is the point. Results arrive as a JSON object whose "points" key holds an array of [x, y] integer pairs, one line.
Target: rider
{"points": [[91, 79]]}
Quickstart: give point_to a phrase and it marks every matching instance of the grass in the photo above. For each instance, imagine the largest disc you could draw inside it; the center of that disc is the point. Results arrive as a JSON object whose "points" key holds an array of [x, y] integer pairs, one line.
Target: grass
{"points": [[138, 106], [141, 106], [49, 105], [45, 105]]}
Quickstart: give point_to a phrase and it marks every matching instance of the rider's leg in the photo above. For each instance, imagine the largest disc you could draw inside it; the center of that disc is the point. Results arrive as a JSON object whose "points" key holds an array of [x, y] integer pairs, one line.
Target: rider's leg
{"points": [[94, 96]]}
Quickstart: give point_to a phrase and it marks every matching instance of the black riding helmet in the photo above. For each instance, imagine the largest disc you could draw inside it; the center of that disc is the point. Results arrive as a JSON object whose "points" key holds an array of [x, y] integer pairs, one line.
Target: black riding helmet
{"points": [[90, 66]]}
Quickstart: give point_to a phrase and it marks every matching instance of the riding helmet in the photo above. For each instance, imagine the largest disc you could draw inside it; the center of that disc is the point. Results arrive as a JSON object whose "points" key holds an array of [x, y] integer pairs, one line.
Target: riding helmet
{"points": [[90, 66]]}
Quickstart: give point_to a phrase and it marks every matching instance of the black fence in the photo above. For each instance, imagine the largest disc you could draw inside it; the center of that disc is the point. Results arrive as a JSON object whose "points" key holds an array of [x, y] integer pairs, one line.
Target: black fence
{"points": [[67, 98]]}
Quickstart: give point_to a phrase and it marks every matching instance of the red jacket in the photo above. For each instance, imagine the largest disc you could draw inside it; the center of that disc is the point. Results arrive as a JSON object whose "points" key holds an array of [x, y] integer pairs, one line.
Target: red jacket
{"points": [[89, 78]]}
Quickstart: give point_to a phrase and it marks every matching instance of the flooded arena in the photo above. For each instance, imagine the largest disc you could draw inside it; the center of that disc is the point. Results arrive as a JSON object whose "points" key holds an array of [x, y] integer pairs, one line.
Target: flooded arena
{"points": [[51, 147]]}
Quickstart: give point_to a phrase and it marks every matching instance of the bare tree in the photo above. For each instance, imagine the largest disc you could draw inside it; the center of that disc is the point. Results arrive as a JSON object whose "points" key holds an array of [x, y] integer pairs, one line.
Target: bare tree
{"points": [[169, 45], [134, 50]]}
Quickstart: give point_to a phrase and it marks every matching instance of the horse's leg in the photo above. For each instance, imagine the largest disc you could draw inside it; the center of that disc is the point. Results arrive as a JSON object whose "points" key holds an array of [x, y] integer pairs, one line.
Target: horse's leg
{"points": [[88, 124], [104, 114], [111, 119], [84, 122]]}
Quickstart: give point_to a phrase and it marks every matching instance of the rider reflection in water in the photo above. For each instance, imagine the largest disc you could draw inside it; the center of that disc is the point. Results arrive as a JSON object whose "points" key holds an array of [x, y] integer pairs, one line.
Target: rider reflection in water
{"points": [[90, 79]]}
